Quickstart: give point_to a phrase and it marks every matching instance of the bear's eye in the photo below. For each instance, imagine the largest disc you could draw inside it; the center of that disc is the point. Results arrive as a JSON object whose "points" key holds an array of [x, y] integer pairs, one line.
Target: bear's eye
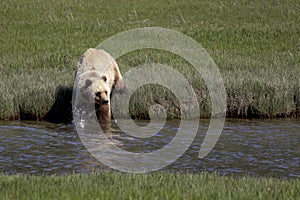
{"points": [[104, 78], [105, 93], [98, 94]]}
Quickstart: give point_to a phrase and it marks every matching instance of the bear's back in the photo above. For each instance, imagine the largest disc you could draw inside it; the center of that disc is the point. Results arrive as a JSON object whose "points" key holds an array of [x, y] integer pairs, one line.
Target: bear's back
{"points": [[94, 59]]}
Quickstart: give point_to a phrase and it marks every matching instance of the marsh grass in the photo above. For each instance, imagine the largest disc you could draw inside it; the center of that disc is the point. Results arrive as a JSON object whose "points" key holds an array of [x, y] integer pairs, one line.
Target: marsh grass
{"points": [[255, 45], [30, 94], [114, 185]]}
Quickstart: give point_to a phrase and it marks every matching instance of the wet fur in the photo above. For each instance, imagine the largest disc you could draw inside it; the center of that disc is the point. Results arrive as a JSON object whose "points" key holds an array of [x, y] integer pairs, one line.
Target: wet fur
{"points": [[93, 65]]}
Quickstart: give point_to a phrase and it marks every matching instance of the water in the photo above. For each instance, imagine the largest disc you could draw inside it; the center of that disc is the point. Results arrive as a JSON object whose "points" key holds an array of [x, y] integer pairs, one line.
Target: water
{"points": [[269, 148]]}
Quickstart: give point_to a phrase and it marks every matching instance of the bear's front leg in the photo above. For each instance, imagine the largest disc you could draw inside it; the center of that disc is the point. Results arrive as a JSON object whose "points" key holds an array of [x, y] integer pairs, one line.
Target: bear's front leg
{"points": [[104, 117]]}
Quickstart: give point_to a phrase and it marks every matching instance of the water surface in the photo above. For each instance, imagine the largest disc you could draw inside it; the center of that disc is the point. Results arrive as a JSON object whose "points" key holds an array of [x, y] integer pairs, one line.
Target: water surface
{"points": [[254, 147]]}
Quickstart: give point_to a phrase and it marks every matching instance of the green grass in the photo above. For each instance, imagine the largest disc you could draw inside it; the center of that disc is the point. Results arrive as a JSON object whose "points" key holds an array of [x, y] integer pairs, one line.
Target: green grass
{"points": [[115, 185], [255, 45]]}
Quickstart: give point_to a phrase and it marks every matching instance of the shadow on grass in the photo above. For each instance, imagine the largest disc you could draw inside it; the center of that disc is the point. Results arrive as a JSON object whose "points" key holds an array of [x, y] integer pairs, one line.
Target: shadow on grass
{"points": [[61, 110]]}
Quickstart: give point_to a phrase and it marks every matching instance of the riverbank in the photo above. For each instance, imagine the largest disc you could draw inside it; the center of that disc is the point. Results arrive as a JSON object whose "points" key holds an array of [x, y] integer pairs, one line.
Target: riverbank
{"points": [[114, 185], [255, 46]]}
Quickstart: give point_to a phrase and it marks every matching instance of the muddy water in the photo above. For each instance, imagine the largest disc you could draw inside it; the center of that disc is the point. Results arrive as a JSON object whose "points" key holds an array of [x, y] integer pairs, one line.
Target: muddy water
{"points": [[250, 147]]}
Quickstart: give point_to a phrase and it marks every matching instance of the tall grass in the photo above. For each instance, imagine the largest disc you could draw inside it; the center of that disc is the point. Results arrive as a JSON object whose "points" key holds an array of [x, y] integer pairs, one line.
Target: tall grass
{"points": [[255, 45], [146, 186]]}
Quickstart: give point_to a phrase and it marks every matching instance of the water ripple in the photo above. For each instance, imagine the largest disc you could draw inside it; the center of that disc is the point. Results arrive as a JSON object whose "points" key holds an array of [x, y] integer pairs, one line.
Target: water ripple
{"points": [[252, 147]]}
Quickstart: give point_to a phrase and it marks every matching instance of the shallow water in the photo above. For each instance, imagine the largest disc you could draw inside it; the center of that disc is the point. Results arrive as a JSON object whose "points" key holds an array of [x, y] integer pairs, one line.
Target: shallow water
{"points": [[254, 147]]}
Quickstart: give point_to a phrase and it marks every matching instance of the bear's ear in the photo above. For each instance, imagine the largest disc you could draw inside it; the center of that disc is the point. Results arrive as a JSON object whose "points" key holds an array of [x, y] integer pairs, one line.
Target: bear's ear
{"points": [[104, 78], [88, 82]]}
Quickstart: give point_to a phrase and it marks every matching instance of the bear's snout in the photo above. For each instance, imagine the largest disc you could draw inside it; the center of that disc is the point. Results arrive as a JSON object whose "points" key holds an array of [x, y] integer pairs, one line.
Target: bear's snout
{"points": [[99, 97]]}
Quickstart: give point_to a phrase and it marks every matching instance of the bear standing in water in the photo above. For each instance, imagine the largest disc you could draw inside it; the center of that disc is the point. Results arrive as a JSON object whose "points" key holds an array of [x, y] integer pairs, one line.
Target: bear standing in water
{"points": [[97, 76]]}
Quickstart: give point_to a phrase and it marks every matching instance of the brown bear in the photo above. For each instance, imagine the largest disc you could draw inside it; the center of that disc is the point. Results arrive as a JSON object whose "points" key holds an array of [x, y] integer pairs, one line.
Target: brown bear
{"points": [[97, 75]]}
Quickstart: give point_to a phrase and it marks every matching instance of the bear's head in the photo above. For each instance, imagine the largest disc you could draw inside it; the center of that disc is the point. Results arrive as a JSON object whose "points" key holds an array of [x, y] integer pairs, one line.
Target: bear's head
{"points": [[94, 89]]}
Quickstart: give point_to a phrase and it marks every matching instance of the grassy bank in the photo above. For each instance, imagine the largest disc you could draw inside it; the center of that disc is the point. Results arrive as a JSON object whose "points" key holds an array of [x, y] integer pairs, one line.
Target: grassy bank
{"points": [[146, 186], [255, 45]]}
